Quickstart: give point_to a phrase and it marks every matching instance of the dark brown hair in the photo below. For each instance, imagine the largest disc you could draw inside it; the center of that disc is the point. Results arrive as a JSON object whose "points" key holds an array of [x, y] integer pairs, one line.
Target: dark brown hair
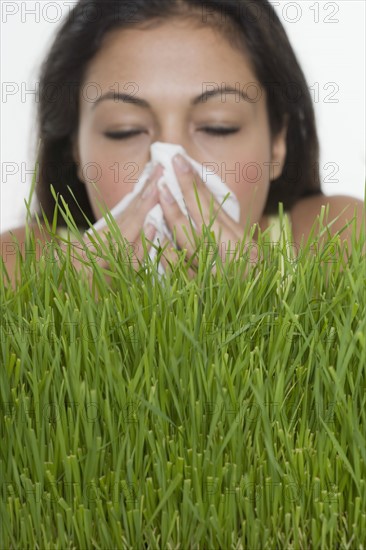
{"points": [[250, 26]]}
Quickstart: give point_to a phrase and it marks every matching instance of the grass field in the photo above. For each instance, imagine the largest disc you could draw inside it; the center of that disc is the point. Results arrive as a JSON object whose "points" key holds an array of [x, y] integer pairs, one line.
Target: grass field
{"points": [[222, 412]]}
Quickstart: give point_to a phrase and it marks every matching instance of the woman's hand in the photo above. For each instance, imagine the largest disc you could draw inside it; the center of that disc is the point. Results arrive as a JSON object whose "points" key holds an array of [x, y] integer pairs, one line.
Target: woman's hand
{"points": [[130, 223], [224, 227]]}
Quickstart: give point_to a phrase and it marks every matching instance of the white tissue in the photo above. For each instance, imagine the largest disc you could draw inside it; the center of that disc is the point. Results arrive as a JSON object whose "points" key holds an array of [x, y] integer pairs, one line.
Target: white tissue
{"points": [[163, 153]]}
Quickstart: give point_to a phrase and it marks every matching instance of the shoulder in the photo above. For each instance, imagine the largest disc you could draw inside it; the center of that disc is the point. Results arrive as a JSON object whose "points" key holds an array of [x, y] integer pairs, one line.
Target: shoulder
{"points": [[8, 243], [304, 213]]}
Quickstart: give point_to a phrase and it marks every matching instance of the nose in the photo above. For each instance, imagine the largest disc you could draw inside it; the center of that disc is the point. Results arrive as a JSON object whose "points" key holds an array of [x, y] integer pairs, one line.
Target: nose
{"points": [[173, 131], [171, 141]]}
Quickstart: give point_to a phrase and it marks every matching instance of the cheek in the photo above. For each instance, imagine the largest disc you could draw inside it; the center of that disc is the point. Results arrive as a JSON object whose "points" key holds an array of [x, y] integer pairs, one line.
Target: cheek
{"points": [[252, 199], [252, 189], [252, 172], [114, 177], [105, 190]]}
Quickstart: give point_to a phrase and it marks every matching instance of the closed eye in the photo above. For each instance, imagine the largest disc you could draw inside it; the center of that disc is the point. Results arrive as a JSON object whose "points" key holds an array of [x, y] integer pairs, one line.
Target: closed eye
{"points": [[217, 132], [122, 135], [221, 131]]}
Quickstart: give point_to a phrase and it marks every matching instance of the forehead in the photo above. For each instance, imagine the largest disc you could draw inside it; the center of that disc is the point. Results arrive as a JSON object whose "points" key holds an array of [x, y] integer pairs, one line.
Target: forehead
{"points": [[174, 51]]}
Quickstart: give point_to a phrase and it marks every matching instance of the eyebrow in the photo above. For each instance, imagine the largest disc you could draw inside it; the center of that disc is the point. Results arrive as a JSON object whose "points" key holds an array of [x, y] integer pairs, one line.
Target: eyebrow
{"points": [[202, 98]]}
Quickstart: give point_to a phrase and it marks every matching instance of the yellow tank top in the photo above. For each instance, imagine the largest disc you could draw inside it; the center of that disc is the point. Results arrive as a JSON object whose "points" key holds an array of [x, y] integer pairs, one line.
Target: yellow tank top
{"points": [[275, 227]]}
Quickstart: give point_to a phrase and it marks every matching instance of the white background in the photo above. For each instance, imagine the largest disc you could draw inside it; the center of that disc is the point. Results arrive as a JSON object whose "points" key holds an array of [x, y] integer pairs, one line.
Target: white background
{"points": [[328, 39]]}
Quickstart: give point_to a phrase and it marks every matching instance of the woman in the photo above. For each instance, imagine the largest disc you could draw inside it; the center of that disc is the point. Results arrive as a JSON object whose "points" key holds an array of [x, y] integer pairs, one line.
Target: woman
{"points": [[119, 77]]}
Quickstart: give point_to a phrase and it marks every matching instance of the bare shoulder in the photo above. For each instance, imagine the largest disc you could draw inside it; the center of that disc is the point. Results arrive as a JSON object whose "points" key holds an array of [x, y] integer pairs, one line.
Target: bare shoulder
{"points": [[20, 234], [8, 245], [10, 238], [304, 213]]}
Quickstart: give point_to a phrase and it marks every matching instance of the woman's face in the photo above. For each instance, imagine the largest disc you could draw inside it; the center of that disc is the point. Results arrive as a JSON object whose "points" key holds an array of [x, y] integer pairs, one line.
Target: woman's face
{"points": [[168, 67]]}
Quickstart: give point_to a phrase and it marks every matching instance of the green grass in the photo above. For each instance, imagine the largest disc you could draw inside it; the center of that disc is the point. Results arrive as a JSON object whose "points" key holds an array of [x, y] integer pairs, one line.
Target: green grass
{"points": [[222, 412]]}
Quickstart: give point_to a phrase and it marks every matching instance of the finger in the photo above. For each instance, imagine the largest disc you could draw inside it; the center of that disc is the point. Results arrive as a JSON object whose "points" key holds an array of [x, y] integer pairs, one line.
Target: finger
{"points": [[180, 226], [154, 177], [149, 232], [225, 238], [171, 256], [193, 187], [190, 273], [132, 229], [177, 222], [191, 184], [142, 204], [131, 219], [167, 256], [167, 265], [130, 248]]}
